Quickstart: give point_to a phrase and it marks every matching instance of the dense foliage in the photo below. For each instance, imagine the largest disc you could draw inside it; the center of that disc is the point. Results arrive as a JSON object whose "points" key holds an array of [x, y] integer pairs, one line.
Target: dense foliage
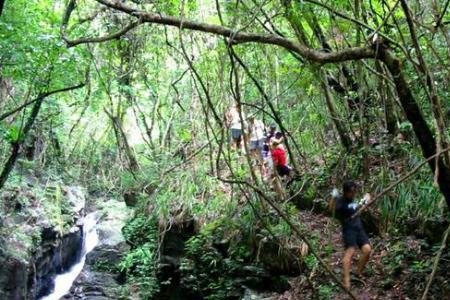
{"points": [[359, 89]]}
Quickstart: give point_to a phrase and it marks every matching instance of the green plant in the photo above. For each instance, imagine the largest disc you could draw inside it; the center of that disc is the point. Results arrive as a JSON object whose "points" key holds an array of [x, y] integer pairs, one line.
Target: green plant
{"points": [[327, 291], [140, 263], [140, 267]]}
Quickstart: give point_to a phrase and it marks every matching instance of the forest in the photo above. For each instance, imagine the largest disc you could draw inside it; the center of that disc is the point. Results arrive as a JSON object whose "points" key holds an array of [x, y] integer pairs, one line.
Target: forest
{"points": [[224, 149]]}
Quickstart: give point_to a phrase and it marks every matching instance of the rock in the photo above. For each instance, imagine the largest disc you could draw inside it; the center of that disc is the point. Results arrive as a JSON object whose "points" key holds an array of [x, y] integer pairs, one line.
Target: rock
{"points": [[431, 229], [99, 278], [13, 279], [130, 198], [259, 279], [172, 250], [94, 285], [106, 254], [277, 260], [27, 280], [53, 257], [114, 217], [253, 295], [28, 268], [76, 199]]}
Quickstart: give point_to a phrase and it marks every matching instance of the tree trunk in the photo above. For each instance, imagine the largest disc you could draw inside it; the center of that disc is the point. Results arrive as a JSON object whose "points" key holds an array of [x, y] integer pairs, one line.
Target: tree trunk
{"points": [[421, 129], [340, 127], [388, 102], [2, 3], [17, 145], [353, 100], [122, 142]]}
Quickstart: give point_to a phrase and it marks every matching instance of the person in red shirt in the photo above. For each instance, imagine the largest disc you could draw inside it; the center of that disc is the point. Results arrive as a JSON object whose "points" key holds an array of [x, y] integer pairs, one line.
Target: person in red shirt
{"points": [[280, 159]]}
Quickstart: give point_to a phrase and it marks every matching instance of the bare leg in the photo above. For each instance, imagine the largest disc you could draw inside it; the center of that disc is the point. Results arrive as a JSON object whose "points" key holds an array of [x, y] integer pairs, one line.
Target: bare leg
{"points": [[233, 144], [278, 188], [366, 250], [347, 265]]}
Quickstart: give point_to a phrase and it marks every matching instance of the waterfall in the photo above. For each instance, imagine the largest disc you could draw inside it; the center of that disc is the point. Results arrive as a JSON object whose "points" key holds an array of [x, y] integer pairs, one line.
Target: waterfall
{"points": [[63, 282]]}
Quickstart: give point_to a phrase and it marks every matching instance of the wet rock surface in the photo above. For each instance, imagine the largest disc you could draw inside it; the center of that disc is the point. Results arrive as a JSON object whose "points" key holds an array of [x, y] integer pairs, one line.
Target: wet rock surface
{"points": [[52, 260], [32, 248], [100, 278]]}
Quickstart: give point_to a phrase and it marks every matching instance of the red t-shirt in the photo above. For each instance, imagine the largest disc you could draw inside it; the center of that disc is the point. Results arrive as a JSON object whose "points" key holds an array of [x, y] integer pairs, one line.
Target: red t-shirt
{"points": [[279, 157]]}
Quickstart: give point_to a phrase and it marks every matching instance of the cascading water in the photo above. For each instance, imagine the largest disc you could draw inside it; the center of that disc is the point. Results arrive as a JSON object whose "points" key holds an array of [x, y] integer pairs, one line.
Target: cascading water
{"points": [[63, 282]]}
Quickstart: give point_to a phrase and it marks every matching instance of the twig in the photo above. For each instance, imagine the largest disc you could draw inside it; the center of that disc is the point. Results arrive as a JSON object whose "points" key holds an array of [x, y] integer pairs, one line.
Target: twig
{"points": [[439, 21], [436, 263], [187, 159]]}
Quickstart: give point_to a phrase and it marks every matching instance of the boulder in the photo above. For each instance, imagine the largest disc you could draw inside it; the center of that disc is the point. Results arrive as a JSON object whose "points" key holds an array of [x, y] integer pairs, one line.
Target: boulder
{"points": [[130, 198], [278, 260], [106, 254], [13, 278], [100, 277]]}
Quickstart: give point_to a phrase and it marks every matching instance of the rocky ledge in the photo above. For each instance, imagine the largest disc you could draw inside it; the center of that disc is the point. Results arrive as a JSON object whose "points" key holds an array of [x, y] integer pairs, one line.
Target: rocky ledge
{"points": [[39, 238]]}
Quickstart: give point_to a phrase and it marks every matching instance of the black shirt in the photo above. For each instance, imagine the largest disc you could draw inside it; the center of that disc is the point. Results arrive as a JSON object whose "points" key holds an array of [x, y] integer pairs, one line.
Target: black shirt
{"points": [[345, 208]]}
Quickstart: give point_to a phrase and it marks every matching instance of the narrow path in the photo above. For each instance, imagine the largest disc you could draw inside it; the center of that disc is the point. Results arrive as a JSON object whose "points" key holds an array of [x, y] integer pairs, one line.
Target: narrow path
{"points": [[327, 234]]}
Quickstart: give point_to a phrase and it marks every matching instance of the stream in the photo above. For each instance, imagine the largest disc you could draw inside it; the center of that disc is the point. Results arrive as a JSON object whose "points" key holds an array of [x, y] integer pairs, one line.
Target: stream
{"points": [[63, 282]]}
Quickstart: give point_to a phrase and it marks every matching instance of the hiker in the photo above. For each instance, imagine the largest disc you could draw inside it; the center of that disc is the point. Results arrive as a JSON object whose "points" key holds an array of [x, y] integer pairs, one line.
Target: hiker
{"points": [[281, 169], [279, 158], [233, 117], [256, 131], [271, 133], [278, 137], [267, 158], [353, 231]]}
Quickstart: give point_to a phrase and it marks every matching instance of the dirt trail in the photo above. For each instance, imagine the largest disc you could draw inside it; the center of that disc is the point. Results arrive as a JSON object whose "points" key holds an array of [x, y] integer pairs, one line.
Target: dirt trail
{"points": [[330, 245]]}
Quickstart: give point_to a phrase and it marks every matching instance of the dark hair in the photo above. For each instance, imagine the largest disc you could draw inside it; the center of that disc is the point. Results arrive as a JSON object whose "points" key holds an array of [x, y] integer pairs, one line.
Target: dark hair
{"points": [[348, 186], [278, 135]]}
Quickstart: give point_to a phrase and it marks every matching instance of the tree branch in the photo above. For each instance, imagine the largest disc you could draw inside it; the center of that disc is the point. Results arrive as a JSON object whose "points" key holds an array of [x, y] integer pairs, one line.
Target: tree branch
{"points": [[439, 20], [233, 35], [112, 36], [348, 18], [403, 178], [436, 263], [9, 113]]}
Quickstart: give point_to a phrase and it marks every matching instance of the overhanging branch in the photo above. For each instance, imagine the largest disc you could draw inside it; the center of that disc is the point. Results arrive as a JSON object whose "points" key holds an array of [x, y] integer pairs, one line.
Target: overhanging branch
{"points": [[233, 35]]}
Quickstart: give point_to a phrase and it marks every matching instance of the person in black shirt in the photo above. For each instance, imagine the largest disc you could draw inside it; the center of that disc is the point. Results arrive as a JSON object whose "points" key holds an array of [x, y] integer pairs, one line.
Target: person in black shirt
{"points": [[353, 231]]}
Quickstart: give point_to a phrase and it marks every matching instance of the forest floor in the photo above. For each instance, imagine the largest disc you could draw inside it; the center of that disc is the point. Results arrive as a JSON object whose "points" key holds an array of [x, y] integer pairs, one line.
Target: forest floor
{"points": [[386, 277]]}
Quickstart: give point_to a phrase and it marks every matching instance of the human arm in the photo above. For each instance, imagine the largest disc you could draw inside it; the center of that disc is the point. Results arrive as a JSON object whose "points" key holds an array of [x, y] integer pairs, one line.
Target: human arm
{"points": [[345, 209], [365, 199]]}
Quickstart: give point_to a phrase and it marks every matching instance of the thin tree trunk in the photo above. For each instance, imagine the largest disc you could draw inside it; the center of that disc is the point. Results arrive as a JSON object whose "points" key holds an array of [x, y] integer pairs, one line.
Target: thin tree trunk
{"points": [[335, 118], [353, 100], [2, 3], [17, 145], [123, 141], [388, 103]]}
